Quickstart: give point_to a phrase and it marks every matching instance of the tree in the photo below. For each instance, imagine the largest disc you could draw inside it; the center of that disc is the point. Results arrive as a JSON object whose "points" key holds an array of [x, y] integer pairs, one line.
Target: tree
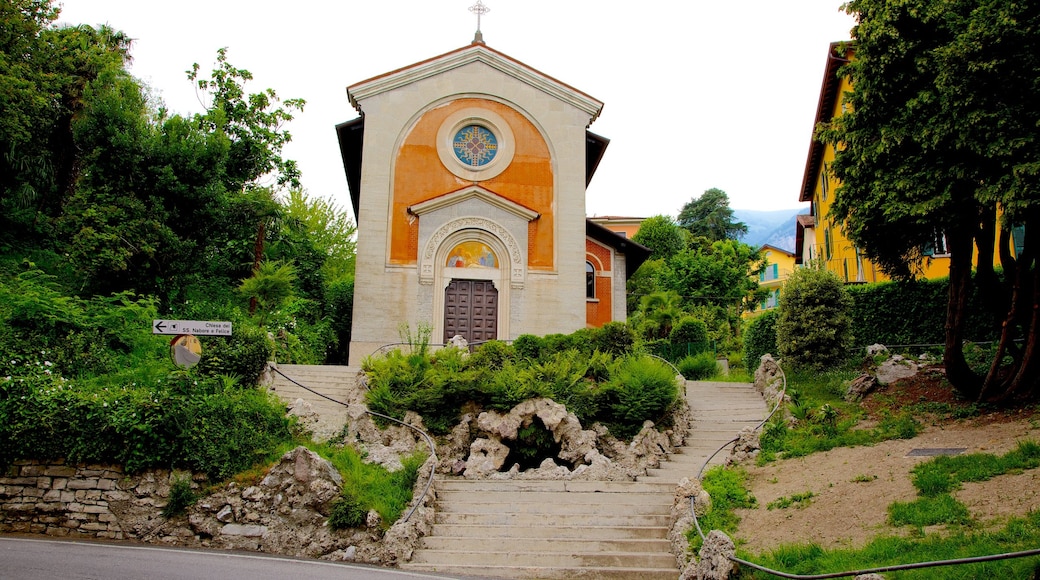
{"points": [[711, 217], [939, 138], [328, 227], [662, 235], [813, 328]]}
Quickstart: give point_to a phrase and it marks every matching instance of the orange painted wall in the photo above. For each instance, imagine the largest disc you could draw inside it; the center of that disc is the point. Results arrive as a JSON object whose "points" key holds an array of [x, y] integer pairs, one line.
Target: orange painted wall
{"points": [[419, 176], [599, 311]]}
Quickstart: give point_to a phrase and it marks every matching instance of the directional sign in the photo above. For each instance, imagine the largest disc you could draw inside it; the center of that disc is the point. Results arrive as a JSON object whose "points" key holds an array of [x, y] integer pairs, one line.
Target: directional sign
{"points": [[196, 327]]}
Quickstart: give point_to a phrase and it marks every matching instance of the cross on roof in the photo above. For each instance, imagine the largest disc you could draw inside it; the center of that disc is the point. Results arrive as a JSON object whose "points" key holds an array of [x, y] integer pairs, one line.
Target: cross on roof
{"points": [[479, 9]]}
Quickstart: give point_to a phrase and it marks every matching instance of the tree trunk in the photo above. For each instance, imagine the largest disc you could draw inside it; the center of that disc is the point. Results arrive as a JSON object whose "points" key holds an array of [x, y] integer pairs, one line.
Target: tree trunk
{"points": [[1007, 328], [258, 257], [958, 372]]}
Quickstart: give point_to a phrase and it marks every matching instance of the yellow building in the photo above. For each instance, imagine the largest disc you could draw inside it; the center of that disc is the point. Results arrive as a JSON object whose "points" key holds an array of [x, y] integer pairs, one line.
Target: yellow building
{"points": [[626, 226], [817, 237], [780, 264]]}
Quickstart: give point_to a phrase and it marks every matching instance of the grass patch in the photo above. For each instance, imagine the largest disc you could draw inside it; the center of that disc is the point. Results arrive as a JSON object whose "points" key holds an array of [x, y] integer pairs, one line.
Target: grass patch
{"points": [[798, 500], [375, 488], [1018, 534], [729, 491], [929, 511], [823, 420], [945, 473]]}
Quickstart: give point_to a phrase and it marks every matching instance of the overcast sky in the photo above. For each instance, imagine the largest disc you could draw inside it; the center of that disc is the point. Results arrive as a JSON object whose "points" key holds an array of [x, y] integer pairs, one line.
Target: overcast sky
{"points": [[698, 93]]}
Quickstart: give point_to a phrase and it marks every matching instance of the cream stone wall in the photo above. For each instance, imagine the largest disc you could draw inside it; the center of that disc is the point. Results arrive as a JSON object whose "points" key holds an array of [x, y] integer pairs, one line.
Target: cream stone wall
{"points": [[388, 295]]}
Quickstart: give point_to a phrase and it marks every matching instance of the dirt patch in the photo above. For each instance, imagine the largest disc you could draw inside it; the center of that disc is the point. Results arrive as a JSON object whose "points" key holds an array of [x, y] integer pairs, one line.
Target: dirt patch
{"points": [[853, 487]]}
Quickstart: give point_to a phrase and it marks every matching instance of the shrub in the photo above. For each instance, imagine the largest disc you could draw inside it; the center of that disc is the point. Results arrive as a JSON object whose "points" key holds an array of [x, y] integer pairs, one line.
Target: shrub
{"points": [[244, 354], [698, 367], [615, 339], [347, 512], [492, 355], [813, 327], [690, 331], [642, 389], [760, 338], [181, 496], [339, 311], [528, 346]]}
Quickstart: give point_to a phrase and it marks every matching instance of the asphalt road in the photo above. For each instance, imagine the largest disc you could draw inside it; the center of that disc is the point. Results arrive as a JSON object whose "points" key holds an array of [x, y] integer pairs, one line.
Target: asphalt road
{"points": [[23, 558]]}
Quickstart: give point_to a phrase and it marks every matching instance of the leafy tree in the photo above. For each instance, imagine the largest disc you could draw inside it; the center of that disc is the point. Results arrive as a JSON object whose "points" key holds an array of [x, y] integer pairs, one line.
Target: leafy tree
{"points": [[939, 137], [662, 235], [658, 313], [710, 216], [721, 276], [270, 286], [328, 227], [813, 324], [44, 75]]}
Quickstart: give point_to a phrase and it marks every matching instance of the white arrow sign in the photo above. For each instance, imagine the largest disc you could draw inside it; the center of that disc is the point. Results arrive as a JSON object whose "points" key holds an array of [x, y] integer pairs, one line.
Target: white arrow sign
{"points": [[196, 327]]}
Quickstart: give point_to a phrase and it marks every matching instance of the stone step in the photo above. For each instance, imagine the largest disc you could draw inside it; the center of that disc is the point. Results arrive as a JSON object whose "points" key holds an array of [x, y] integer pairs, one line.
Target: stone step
{"points": [[470, 485], [499, 505], [497, 555], [586, 532], [552, 519], [551, 544], [552, 498], [540, 572]]}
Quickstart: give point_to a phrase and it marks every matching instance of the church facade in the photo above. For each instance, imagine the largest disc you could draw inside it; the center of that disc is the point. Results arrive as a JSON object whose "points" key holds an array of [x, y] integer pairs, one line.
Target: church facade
{"points": [[467, 174]]}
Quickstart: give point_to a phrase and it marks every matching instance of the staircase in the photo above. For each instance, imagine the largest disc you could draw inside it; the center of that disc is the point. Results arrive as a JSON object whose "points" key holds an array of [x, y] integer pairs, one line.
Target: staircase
{"points": [[336, 382], [719, 411], [580, 529]]}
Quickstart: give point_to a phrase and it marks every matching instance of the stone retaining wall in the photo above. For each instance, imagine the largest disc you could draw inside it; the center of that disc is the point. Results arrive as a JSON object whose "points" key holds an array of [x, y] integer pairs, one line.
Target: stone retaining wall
{"points": [[73, 500]]}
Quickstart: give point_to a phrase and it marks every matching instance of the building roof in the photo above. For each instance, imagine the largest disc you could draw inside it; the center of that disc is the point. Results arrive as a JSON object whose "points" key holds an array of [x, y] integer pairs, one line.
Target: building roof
{"points": [[635, 253], [773, 248], [824, 112], [474, 52]]}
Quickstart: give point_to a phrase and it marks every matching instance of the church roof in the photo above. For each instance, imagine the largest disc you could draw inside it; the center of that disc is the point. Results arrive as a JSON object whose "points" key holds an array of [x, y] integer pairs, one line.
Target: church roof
{"points": [[635, 253], [474, 52]]}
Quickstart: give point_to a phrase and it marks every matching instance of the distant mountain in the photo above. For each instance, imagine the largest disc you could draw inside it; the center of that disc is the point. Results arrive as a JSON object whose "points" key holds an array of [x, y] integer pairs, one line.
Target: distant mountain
{"points": [[775, 227]]}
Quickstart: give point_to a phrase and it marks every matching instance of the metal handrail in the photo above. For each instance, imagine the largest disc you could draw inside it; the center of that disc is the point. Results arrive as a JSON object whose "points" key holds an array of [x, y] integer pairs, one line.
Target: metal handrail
{"points": [[877, 570], [425, 435], [779, 403]]}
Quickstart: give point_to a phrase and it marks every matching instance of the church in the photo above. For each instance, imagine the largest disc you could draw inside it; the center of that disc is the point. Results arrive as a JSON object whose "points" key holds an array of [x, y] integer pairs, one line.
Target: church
{"points": [[467, 174]]}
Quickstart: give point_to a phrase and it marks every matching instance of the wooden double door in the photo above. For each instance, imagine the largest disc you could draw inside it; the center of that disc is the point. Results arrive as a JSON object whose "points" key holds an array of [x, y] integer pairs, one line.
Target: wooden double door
{"points": [[471, 310]]}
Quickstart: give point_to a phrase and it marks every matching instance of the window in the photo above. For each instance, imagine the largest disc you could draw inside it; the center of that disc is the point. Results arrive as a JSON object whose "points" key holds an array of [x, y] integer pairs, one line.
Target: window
{"points": [[845, 267], [770, 273], [590, 280], [861, 275], [1018, 234], [937, 247], [827, 243], [823, 182]]}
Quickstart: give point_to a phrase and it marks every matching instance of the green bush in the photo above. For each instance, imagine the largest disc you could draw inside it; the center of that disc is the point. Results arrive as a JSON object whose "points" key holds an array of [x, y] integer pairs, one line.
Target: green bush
{"points": [[347, 512], [181, 496], [760, 338], [698, 367], [615, 339], [690, 331], [813, 329], [528, 346], [642, 389], [199, 424], [914, 312], [492, 355], [244, 354], [339, 312]]}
